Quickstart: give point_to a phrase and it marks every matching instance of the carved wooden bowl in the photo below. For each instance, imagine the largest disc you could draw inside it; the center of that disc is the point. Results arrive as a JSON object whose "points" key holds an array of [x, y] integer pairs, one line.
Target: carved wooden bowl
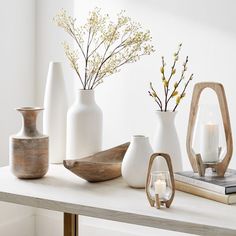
{"points": [[99, 167]]}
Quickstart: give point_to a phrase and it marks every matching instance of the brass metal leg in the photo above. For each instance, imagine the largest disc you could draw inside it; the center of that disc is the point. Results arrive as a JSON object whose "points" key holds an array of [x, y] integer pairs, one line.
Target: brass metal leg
{"points": [[70, 224]]}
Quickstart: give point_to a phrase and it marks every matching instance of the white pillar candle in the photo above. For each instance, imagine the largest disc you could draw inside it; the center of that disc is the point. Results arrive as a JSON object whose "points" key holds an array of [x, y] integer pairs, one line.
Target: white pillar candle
{"points": [[160, 187], [210, 143]]}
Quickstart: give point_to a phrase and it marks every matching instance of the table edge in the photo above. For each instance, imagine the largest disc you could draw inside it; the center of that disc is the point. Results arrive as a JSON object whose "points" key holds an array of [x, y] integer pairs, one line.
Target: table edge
{"points": [[125, 217]]}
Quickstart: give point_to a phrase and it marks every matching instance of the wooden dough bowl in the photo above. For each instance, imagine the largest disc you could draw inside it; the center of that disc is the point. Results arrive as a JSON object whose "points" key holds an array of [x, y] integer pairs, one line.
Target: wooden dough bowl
{"points": [[99, 167]]}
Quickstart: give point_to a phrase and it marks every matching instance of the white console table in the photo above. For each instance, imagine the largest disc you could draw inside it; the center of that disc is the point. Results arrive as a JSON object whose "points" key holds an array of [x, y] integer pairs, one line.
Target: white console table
{"points": [[60, 190]]}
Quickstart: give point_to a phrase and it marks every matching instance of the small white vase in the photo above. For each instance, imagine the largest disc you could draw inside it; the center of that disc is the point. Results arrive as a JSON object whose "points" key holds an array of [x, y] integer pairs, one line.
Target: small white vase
{"points": [[84, 126], [135, 162], [166, 140], [54, 117]]}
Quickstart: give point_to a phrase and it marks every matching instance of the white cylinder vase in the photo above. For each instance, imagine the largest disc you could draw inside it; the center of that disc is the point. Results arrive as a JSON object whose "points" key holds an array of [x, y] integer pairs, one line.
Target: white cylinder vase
{"points": [[136, 160], [84, 126], [54, 117], [166, 140]]}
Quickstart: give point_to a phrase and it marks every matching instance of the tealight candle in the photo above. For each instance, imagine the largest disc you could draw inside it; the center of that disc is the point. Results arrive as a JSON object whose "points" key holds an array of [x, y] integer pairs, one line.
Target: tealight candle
{"points": [[210, 143], [160, 187]]}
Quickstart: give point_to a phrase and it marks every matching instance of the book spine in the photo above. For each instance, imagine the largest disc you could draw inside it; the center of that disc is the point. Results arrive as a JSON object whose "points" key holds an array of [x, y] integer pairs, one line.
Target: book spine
{"points": [[201, 184], [203, 193]]}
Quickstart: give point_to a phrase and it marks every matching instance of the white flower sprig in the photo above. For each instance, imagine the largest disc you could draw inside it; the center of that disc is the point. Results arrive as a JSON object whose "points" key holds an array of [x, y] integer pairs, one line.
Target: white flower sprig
{"points": [[103, 46]]}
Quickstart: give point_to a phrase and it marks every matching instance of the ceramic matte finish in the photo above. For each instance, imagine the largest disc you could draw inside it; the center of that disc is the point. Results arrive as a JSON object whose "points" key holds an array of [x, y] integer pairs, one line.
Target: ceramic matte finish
{"points": [[166, 140], [54, 118], [135, 163], [84, 126]]}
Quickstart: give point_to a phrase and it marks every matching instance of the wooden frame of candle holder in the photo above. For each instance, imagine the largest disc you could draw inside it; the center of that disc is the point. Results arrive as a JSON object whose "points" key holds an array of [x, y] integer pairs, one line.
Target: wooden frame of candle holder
{"points": [[157, 200], [195, 159]]}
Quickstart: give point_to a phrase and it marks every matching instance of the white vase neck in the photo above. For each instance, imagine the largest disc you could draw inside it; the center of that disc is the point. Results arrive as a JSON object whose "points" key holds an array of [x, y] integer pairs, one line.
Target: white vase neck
{"points": [[139, 139], [86, 97], [166, 117]]}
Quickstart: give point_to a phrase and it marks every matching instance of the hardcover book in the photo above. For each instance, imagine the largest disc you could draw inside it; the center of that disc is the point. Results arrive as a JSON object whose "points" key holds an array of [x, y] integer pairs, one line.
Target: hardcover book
{"points": [[212, 182], [201, 192]]}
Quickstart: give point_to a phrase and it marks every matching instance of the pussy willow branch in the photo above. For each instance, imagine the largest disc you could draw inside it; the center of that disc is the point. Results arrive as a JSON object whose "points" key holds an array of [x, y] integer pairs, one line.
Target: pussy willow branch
{"points": [[155, 96], [183, 92], [172, 73], [164, 79], [180, 80]]}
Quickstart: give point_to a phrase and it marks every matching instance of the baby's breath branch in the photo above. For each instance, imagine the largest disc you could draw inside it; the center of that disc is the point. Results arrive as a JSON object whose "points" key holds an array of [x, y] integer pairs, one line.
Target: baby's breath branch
{"points": [[77, 72], [96, 48], [182, 95], [104, 59], [107, 46], [86, 58], [76, 40]]}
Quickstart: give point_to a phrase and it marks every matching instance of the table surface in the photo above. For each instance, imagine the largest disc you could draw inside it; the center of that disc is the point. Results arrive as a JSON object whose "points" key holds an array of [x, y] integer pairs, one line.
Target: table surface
{"points": [[61, 190]]}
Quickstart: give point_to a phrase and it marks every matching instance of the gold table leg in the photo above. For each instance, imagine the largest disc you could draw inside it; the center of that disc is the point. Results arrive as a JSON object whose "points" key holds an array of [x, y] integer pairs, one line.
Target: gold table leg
{"points": [[70, 224]]}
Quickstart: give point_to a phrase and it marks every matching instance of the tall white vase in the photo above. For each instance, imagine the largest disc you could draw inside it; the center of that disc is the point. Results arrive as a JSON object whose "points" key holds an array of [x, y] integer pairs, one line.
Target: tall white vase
{"points": [[135, 162], [166, 140], [84, 126], [54, 117]]}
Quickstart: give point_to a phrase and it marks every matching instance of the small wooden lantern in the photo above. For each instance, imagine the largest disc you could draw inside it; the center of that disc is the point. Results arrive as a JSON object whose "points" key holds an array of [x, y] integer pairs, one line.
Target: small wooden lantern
{"points": [[196, 160], [160, 185]]}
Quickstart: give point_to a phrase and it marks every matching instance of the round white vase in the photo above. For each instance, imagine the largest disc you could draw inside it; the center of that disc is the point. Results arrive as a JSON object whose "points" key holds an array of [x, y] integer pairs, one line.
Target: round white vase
{"points": [[166, 140], [135, 163], [54, 117], [84, 126]]}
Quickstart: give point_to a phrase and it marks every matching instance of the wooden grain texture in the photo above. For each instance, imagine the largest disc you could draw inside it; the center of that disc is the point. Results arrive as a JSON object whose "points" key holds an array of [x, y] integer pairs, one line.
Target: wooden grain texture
{"points": [[71, 224], [152, 200], [195, 159], [101, 166], [29, 148], [61, 190]]}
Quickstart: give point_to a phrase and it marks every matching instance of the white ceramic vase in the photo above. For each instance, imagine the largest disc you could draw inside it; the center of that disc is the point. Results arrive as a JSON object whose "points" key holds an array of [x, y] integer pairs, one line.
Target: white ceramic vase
{"points": [[166, 140], [84, 126], [54, 117], [135, 162]]}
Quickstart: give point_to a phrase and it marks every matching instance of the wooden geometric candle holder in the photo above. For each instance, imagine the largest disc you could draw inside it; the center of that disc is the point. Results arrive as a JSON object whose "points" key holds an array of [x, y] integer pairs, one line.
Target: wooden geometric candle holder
{"points": [[156, 199], [195, 159]]}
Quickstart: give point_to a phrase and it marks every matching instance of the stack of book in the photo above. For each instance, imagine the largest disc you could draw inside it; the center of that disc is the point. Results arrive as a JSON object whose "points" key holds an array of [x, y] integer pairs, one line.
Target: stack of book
{"points": [[221, 189]]}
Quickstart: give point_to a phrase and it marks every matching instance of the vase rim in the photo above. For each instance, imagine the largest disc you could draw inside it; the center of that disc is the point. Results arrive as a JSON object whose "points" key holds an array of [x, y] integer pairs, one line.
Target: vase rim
{"points": [[55, 62], [29, 108], [86, 90], [168, 111], [137, 136]]}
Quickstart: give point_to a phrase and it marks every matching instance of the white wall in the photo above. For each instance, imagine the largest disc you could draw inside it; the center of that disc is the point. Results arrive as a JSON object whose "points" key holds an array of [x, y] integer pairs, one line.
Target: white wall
{"points": [[17, 44], [17, 65]]}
